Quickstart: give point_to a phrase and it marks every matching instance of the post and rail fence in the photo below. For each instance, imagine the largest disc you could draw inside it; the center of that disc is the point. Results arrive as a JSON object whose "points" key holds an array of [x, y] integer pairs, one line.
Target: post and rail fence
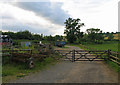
{"points": [[76, 55]]}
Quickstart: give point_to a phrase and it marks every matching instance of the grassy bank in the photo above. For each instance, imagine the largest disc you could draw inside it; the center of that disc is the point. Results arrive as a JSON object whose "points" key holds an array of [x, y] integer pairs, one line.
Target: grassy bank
{"points": [[13, 71], [105, 46]]}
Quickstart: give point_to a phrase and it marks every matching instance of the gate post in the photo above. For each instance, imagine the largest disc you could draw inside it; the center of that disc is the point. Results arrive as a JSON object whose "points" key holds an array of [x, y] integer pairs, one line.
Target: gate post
{"points": [[109, 54], [31, 53], [10, 51], [73, 56]]}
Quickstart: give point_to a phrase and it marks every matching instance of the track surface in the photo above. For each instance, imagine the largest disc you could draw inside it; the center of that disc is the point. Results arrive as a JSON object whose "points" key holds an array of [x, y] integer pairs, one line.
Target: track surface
{"points": [[73, 72]]}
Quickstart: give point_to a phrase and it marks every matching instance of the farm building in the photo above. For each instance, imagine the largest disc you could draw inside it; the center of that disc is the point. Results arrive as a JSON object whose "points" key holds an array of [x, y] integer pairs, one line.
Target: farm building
{"points": [[5, 40]]}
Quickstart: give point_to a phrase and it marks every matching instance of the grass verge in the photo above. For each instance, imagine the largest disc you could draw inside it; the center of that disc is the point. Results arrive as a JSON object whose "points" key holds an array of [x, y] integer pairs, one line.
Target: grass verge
{"points": [[14, 71], [113, 66]]}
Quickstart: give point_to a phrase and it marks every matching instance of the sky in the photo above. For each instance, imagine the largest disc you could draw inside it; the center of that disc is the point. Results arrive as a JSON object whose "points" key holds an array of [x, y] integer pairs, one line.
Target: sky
{"points": [[48, 16]]}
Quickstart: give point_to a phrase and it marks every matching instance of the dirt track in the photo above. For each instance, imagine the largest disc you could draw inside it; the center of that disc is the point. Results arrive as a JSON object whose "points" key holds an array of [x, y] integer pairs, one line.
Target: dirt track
{"points": [[73, 72]]}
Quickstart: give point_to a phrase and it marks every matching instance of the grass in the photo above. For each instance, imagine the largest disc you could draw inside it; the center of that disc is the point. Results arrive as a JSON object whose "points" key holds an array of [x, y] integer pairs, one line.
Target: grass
{"points": [[112, 46], [113, 66], [65, 46], [105, 46], [13, 71]]}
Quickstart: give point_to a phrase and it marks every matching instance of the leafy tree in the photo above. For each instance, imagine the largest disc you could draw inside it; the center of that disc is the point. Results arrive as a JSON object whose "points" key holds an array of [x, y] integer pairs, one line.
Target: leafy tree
{"points": [[110, 37], [72, 30], [95, 35], [80, 37], [37, 37], [11, 34], [24, 35], [29, 36], [49, 38], [58, 38]]}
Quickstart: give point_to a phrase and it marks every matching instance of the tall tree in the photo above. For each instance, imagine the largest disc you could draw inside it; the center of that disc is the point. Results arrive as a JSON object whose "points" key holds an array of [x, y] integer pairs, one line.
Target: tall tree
{"points": [[72, 30], [95, 35], [24, 35]]}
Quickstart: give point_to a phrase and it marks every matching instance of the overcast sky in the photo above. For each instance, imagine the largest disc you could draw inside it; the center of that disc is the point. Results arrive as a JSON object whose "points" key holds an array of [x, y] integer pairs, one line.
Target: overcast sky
{"points": [[48, 17]]}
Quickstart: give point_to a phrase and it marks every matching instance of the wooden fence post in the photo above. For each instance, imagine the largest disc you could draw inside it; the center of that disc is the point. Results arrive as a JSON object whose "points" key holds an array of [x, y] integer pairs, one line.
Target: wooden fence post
{"points": [[73, 56], [31, 53], [109, 54], [117, 55], [11, 55]]}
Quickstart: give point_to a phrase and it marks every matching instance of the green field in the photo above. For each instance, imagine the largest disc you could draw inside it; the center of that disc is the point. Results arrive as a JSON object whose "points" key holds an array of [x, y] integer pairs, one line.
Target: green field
{"points": [[113, 46], [105, 46]]}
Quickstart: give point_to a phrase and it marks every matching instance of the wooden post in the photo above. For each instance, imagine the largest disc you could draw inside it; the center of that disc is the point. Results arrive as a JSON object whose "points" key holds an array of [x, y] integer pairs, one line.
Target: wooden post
{"points": [[109, 54], [117, 55], [73, 56], [11, 56], [31, 53]]}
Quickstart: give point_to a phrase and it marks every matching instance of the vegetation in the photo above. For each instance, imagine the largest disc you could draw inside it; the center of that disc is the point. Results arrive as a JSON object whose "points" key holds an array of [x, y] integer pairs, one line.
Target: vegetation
{"points": [[112, 45], [28, 36], [13, 70], [113, 66], [72, 30], [95, 35]]}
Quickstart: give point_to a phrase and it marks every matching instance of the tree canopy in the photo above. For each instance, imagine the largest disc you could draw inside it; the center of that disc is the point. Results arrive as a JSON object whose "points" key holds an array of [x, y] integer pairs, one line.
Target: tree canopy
{"points": [[95, 35], [72, 30]]}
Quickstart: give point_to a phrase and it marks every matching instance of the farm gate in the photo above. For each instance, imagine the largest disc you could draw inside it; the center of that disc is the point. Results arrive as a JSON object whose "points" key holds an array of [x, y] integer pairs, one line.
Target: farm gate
{"points": [[85, 55]]}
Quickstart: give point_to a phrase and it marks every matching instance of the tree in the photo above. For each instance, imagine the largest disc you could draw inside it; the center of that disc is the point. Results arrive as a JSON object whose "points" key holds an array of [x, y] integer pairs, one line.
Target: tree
{"points": [[49, 38], [110, 37], [58, 38], [95, 35], [72, 30], [24, 35], [37, 37]]}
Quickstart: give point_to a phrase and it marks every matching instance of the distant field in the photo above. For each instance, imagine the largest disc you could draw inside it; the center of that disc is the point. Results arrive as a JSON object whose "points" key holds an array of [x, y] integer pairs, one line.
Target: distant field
{"points": [[110, 45]]}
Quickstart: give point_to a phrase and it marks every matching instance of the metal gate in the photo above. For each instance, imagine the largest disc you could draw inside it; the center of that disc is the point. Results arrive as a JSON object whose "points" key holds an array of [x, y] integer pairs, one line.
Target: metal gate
{"points": [[84, 55]]}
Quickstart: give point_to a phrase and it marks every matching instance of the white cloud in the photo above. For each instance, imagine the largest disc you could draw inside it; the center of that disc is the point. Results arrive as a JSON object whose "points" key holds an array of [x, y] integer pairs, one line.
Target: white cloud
{"points": [[96, 14], [25, 17]]}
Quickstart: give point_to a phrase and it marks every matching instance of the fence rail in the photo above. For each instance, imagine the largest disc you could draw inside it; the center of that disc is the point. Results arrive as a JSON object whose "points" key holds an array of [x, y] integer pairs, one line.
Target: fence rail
{"points": [[100, 55], [23, 55], [113, 56]]}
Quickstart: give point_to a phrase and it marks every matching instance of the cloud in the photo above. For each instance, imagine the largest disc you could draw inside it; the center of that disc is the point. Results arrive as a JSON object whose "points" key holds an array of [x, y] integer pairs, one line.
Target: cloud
{"points": [[15, 18], [94, 13], [48, 10]]}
